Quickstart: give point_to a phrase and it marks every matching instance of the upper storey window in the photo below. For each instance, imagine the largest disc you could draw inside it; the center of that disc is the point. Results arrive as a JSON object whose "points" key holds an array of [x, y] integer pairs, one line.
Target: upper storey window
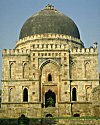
{"points": [[25, 95], [49, 77]]}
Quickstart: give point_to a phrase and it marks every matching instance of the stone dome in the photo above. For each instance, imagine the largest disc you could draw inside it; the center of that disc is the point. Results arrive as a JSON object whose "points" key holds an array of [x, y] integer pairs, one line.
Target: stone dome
{"points": [[49, 20]]}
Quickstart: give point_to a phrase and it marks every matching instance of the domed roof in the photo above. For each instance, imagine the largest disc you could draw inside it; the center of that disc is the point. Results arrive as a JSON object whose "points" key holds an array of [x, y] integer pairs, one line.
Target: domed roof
{"points": [[49, 20]]}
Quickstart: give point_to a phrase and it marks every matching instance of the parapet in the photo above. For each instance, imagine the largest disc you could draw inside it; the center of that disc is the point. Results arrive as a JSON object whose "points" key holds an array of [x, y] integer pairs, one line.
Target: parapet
{"points": [[48, 36], [15, 51], [84, 51], [49, 47]]}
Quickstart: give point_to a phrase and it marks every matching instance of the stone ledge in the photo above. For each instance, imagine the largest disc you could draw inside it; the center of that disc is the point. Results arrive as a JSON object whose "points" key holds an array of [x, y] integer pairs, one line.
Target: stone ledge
{"points": [[20, 80], [8, 103], [74, 102], [84, 79]]}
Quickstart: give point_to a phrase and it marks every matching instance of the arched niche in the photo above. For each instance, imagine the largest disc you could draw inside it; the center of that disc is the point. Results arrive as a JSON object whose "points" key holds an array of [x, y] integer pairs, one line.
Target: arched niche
{"points": [[49, 75], [49, 71], [11, 94], [25, 70], [12, 70]]}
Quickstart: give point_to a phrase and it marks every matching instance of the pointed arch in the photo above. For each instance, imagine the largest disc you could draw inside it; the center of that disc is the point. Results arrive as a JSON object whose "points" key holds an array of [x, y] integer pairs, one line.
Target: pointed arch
{"points": [[11, 94], [12, 70], [49, 73], [25, 95], [52, 70], [74, 94], [88, 93], [48, 61], [73, 71], [87, 69], [25, 70]]}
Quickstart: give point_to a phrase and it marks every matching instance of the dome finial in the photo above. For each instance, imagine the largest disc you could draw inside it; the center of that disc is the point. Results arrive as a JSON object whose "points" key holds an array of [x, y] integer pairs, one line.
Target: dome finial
{"points": [[49, 7]]}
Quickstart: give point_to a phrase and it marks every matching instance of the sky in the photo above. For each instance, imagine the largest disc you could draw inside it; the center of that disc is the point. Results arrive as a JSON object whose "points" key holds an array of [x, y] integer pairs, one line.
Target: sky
{"points": [[13, 14]]}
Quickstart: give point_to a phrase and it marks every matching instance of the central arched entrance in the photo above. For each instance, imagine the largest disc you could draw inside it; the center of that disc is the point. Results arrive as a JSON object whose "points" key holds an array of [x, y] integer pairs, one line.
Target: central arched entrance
{"points": [[50, 99]]}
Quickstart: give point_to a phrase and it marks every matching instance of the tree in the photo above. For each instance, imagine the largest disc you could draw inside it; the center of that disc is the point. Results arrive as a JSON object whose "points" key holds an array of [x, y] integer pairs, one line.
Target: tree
{"points": [[50, 102]]}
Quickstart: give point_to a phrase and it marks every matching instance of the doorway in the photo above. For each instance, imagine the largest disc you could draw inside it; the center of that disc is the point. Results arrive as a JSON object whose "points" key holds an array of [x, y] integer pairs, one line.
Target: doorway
{"points": [[50, 99]]}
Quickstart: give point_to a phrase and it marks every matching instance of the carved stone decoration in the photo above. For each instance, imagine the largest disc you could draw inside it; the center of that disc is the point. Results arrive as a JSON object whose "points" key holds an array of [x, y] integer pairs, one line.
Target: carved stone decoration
{"points": [[41, 60]]}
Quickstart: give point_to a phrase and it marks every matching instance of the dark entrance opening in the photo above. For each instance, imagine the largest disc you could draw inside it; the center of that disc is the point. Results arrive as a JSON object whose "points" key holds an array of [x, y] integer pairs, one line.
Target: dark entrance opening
{"points": [[76, 115], [48, 115], [25, 95], [74, 94], [50, 99]]}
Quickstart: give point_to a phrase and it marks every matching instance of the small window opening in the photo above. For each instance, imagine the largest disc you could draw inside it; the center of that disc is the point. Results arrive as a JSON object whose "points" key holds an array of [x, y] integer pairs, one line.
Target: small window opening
{"points": [[25, 95], [74, 94], [49, 77]]}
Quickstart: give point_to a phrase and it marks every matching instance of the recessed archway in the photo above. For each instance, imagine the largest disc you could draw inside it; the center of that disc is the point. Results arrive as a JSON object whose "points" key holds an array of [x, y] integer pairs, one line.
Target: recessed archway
{"points": [[50, 99], [76, 115], [49, 115]]}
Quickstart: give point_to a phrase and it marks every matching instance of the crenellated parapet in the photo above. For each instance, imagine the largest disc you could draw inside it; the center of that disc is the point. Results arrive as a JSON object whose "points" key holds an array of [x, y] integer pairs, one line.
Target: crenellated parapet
{"points": [[15, 51], [48, 36], [84, 51], [64, 47], [49, 47]]}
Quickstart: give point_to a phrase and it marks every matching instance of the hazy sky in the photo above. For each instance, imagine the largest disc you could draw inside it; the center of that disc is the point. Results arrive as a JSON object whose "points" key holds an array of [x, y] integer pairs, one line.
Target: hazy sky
{"points": [[13, 13]]}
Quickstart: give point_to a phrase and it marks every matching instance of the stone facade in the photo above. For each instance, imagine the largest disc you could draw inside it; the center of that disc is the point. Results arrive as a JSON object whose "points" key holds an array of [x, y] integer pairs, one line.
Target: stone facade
{"points": [[96, 101], [49, 74]]}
